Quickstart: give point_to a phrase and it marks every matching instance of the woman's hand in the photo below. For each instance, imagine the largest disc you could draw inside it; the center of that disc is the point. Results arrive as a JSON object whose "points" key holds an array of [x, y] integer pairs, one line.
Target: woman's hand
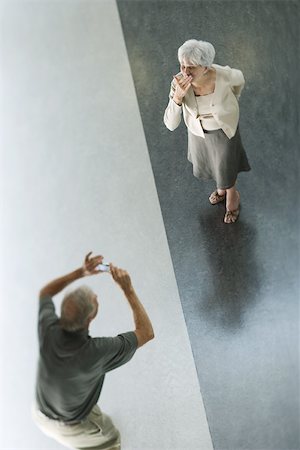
{"points": [[90, 264], [182, 86]]}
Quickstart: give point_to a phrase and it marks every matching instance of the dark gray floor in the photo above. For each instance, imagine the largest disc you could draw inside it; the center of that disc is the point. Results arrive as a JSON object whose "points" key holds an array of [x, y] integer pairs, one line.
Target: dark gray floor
{"points": [[238, 283]]}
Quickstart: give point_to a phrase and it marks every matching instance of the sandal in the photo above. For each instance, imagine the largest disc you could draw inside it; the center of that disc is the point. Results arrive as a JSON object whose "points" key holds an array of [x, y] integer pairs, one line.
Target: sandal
{"points": [[231, 216], [215, 198]]}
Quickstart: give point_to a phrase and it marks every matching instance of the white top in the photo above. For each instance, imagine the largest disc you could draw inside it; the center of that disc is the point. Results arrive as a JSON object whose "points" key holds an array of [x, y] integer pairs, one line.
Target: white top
{"points": [[208, 121], [225, 107]]}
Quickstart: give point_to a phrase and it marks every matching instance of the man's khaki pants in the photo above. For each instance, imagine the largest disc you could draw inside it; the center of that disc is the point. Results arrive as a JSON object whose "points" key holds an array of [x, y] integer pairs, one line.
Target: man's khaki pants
{"points": [[96, 432]]}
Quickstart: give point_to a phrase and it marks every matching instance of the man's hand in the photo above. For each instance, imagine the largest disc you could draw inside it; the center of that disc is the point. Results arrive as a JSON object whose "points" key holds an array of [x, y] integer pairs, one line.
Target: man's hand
{"points": [[121, 277], [88, 268], [90, 264]]}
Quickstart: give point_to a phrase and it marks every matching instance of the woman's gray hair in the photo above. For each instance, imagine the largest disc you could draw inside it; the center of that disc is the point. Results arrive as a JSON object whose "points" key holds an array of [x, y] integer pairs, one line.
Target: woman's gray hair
{"points": [[197, 53], [76, 307]]}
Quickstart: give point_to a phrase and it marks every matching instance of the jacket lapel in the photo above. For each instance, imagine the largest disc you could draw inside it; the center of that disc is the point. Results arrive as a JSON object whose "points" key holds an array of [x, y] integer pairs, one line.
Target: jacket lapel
{"points": [[218, 86], [190, 102]]}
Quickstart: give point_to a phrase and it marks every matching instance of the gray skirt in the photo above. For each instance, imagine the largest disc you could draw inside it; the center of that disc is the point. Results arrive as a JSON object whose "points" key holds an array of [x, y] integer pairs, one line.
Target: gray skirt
{"points": [[217, 157]]}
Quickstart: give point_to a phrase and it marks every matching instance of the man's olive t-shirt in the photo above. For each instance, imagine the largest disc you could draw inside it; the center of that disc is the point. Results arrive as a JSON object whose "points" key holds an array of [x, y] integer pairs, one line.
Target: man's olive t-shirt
{"points": [[72, 366]]}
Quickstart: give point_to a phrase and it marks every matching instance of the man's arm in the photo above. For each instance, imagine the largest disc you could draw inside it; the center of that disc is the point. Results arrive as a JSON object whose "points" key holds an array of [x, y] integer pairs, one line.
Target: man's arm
{"points": [[88, 268], [143, 327]]}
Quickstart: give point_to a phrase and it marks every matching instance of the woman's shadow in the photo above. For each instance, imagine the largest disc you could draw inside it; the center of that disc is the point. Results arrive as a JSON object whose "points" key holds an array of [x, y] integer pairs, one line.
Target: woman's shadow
{"points": [[234, 278]]}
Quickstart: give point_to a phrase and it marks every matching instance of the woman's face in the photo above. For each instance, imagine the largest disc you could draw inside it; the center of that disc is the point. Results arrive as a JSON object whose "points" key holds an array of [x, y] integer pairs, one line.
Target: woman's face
{"points": [[195, 72]]}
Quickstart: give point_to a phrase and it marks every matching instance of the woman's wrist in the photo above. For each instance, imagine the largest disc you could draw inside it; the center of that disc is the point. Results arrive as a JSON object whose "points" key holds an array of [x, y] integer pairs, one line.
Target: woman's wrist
{"points": [[177, 100]]}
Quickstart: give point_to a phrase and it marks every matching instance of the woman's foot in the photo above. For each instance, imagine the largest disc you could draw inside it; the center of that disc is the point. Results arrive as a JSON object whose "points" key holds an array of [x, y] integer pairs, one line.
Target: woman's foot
{"points": [[231, 216], [217, 196], [232, 206]]}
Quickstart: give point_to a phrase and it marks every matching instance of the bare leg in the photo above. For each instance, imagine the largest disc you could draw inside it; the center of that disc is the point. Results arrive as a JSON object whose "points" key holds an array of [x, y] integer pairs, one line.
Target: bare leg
{"points": [[232, 199], [232, 205]]}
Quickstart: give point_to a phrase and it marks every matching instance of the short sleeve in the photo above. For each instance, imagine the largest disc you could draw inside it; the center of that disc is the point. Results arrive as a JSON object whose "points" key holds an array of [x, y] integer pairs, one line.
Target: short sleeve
{"points": [[47, 315], [116, 351]]}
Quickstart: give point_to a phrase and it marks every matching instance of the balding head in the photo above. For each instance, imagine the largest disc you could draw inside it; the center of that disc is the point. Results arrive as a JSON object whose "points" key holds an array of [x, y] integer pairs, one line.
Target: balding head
{"points": [[77, 309]]}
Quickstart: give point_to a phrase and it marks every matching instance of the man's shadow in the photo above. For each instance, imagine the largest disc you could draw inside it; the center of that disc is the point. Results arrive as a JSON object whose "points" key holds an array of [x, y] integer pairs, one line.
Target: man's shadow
{"points": [[234, 278]]}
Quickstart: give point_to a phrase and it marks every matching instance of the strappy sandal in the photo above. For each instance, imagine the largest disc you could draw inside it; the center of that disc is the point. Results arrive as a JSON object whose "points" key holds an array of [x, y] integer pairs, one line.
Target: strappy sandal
{"points": [[231, 216], [215, 198]]}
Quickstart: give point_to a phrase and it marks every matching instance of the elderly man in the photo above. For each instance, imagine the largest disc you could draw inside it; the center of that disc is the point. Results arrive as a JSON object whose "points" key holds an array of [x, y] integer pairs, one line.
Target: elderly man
{"points": [[72, 365]]}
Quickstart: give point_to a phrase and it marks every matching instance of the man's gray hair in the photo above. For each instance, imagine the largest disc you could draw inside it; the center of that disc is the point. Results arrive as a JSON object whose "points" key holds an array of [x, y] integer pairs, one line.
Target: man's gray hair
{"points": [[76, 307], [197, 53]]}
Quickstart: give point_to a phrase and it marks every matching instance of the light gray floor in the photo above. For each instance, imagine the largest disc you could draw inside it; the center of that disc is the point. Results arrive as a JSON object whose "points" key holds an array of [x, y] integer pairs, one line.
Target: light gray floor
{"points": [[76, 176]]}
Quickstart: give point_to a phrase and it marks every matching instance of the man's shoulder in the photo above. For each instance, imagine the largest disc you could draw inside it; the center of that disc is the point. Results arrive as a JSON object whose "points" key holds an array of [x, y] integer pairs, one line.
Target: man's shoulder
{"points": [[109, 343], [114, 351]]}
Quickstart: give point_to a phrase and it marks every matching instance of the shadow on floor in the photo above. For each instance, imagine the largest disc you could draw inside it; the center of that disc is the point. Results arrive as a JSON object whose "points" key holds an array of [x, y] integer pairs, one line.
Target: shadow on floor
{"points": [[234, 273]]}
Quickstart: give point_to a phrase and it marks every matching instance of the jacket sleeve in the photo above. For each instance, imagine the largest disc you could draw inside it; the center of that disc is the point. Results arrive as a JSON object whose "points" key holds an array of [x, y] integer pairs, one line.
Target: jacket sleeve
{"points": [[237, 82], [172, 116]]}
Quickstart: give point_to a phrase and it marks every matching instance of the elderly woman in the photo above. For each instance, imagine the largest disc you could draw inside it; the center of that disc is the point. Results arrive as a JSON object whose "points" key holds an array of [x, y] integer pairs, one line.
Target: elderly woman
{"points": [[207, 94]]}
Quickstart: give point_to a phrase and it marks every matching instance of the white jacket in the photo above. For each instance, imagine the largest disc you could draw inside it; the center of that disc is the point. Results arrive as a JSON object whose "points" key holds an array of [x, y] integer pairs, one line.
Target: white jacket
{"points": [[224, 104]]}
